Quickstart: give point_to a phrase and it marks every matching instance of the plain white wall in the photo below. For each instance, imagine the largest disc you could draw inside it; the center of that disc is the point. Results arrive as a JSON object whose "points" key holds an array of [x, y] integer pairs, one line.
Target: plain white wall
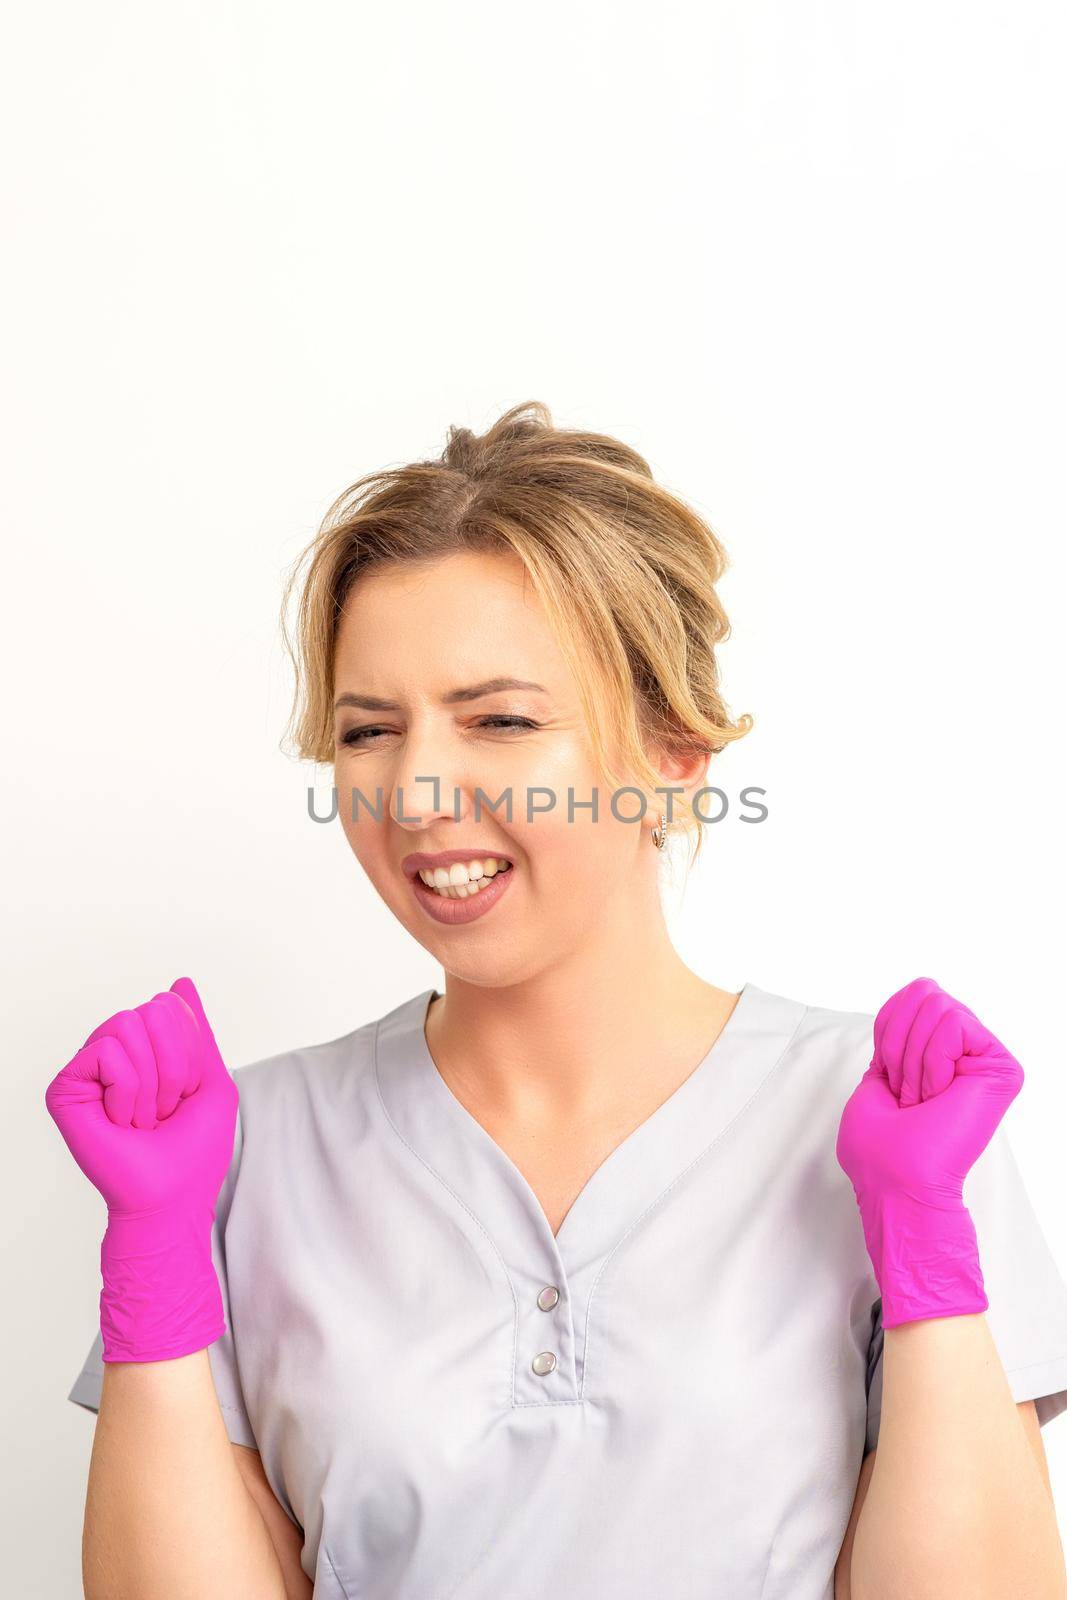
{"points": [[808, 259]]}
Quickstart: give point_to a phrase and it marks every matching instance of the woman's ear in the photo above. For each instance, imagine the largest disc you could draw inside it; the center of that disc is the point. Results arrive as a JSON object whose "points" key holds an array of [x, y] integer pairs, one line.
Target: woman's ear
{"points": [[680, 769], [686, 767]]}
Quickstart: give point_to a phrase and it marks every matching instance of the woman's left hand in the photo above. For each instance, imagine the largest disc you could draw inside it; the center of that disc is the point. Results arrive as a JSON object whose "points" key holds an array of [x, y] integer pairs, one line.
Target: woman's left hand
{"points": [[938, 1084]]}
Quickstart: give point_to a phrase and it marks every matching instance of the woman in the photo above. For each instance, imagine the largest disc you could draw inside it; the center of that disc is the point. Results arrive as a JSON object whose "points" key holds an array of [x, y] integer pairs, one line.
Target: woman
{"points": [[553, 1281]]}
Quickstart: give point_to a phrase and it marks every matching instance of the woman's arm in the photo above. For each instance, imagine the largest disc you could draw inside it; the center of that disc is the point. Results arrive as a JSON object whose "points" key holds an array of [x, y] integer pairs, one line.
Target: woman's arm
{"points": [[167, 1511], [843, 1565], [287, 1538], [843, 1569], [957, 1501]]}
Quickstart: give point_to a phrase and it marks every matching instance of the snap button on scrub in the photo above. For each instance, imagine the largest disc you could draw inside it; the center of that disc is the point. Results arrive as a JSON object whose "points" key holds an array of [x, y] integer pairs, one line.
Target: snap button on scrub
{"points": [[544, 1362], [548, 1298]]}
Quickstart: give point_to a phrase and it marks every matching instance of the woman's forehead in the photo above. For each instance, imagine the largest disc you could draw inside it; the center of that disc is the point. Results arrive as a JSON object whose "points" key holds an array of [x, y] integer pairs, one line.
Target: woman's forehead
{"points": [[446, 631]]}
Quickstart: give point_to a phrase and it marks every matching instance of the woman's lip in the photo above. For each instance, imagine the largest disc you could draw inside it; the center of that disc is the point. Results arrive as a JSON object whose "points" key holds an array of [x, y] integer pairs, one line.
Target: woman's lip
{"points": [[444, 908]]}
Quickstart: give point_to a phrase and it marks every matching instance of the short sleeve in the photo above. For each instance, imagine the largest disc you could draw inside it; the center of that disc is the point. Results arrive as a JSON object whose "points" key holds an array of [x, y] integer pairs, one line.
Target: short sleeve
{"points": [[222, 1355], [874, 1378], [1027, 1295]]}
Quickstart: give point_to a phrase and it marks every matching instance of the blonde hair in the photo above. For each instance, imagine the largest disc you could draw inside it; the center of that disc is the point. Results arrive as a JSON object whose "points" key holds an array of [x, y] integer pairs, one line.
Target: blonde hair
{"points": [[625, 571]]}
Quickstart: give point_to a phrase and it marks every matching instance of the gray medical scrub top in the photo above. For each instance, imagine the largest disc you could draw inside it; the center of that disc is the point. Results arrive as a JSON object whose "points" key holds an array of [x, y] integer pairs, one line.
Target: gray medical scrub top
{"points": [[672, 1396]]}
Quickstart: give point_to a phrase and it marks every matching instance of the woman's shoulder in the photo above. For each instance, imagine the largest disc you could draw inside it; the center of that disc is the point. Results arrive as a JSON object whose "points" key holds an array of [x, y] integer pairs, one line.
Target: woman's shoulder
{"points": [[812, 1015], [329, 1065], [837, 1021], [823, 1037]]}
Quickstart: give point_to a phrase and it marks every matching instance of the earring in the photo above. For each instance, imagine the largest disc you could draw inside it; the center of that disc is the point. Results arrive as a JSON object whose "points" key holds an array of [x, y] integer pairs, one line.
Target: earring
{"points": [[659, 832]]}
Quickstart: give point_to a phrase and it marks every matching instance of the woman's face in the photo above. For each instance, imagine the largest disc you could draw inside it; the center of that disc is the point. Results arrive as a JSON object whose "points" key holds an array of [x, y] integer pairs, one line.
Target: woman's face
{"points": [[425, 643]]}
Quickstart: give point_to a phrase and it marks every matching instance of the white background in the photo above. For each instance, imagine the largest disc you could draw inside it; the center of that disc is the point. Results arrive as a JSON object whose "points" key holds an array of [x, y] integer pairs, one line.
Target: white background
{"points": [[809, 259]]}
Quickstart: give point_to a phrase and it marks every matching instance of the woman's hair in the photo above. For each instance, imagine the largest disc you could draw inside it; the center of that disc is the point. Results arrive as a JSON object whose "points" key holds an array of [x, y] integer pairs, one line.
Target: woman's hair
{"points": [[625, 571]]}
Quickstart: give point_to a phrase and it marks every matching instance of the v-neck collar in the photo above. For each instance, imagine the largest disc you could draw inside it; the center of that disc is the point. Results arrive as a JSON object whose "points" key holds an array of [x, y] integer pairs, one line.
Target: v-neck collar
{"points": [[488, 1184]]}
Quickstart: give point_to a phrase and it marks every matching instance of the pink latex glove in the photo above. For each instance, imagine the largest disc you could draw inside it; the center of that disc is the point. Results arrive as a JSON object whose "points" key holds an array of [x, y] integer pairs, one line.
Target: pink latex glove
{"points": [[917, 1121], [148, 1111]]}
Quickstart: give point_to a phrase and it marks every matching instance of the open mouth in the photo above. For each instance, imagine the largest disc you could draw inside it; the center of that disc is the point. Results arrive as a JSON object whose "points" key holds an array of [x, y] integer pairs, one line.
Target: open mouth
{"points": [[463, 879]]}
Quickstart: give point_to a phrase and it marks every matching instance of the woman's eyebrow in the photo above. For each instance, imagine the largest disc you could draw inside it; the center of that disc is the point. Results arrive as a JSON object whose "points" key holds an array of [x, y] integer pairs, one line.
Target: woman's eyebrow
{"points": [[474, 691]]}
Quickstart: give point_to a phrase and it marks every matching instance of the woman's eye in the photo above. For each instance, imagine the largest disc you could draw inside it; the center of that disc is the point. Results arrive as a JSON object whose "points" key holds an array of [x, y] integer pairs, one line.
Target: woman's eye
{"points": [[356, 736], [507, 722]]}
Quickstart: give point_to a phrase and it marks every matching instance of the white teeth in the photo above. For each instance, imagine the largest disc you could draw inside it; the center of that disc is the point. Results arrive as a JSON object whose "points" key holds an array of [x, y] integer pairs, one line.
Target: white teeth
{"points": [[463, 878]]}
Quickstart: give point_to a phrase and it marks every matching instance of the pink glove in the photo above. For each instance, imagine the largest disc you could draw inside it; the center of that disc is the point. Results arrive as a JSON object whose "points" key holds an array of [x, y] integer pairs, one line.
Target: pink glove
{"points": [[917, 1121], [148, 1111]]}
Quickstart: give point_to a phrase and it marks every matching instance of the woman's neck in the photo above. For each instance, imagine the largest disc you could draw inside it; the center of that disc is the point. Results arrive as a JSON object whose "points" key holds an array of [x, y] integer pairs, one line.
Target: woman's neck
{"points": [[577, 1042]]}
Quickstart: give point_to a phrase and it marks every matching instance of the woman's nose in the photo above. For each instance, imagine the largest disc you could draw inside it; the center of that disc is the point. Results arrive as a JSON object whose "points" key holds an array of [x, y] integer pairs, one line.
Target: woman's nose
{"points": [[428, 781]]}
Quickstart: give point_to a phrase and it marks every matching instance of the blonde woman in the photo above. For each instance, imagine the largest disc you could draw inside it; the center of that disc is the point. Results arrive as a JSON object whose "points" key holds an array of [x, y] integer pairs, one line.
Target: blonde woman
{"points": [[553, 1281]]}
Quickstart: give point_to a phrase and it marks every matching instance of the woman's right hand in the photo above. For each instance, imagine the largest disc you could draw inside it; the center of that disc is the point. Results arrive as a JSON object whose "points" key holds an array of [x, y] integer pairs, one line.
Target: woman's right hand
{"points": [[148, 1110]]}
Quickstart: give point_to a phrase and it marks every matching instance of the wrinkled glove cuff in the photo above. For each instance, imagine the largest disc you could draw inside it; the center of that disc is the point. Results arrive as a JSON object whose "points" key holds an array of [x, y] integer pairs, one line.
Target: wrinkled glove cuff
{"points": [[925, 1258], [160, 1296]]}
